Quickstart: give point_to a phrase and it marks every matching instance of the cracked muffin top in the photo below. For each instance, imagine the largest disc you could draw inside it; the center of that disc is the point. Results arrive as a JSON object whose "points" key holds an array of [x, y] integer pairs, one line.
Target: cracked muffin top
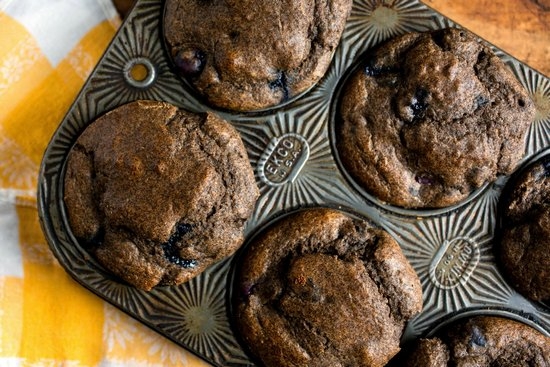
{"points": [[157, 194], [430, 117], [483, 341], [319, 288], [250, 55]]}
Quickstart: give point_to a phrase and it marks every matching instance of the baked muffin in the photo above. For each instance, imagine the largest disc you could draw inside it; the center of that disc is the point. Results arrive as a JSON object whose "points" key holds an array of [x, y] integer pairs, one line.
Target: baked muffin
{"points": [[319, 288], [430, 117], [523, 245], [483, 341], [157, 194], [250, 55]]}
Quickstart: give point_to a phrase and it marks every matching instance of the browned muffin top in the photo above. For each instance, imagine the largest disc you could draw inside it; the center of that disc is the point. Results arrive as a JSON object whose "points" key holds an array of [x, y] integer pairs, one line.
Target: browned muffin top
{"points": [[524, 247], [319, 288], [430, 117], [249, 55], [158, 194], [483, 341]]}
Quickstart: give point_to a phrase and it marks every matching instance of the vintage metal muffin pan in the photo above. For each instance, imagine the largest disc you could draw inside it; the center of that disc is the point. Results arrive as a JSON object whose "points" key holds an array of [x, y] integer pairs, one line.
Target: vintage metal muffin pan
{"points": [[291, 150]]}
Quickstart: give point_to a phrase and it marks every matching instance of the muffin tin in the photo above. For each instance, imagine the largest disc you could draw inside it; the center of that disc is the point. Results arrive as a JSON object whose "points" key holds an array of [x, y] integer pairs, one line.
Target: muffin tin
{"points": [[291, 148]]}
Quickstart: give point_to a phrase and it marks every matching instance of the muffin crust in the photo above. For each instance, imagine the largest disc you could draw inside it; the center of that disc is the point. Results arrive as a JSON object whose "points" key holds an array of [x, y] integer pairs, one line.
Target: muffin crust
{"points": [[250, 55], [429, 118], [523, 251], [322, 289], [158, 194], [483, 341]]}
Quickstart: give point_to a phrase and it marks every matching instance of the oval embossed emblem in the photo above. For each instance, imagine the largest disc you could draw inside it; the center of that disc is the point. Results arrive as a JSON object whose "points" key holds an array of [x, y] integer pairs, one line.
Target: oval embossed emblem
{"points": [[454, 262], [283, 158]]}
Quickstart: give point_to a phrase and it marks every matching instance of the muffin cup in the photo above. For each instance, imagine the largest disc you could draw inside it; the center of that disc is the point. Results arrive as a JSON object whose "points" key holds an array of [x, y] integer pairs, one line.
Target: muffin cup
{"points": [[201, 98], [353, 182], [361, 249]]}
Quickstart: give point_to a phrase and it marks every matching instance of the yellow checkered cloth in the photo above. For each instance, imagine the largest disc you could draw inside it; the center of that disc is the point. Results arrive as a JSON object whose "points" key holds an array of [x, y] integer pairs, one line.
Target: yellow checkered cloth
{"points": [[47, 50]]}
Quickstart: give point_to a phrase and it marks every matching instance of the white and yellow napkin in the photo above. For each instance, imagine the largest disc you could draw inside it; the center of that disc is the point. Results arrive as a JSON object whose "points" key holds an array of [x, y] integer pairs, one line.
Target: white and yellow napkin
{"points": [[47, 50]]}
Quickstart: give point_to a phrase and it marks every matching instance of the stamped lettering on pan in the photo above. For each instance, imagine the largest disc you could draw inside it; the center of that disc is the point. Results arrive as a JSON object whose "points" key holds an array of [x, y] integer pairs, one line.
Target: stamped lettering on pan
{"points": [[454, 262], [283, 158]]}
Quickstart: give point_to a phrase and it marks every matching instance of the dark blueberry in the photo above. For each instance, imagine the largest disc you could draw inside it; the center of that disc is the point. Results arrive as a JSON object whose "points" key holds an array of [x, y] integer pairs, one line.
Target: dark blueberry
{"points": [[372, 70], [190, 62], [281, 83], [424, 179], [184, 263], [481, 101], [171, 250], [172, 254], [180, 230], [247, 289], [419, 103], [477, 339]]}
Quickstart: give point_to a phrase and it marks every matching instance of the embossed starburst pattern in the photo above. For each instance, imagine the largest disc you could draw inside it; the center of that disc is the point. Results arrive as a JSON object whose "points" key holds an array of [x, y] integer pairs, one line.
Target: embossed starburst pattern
{"points": [[454, 258], [195, 313], [374, 21], [310, 175], [538, 136], [139, 42]]}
